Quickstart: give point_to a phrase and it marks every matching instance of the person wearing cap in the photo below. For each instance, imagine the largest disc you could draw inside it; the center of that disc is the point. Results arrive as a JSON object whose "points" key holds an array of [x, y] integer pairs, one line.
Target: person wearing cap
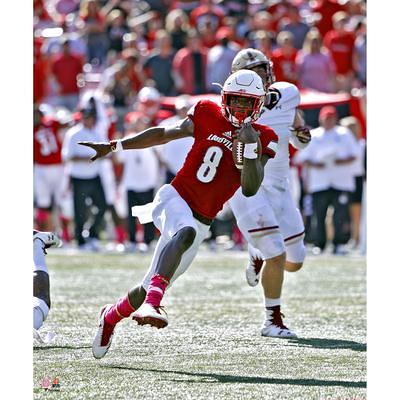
{"points": [[85, 177], [330, 178]]}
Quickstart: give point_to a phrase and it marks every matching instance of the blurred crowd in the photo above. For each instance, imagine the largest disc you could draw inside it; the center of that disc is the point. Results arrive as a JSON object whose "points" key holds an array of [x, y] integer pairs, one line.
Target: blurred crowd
{"points": [[103, 69]]}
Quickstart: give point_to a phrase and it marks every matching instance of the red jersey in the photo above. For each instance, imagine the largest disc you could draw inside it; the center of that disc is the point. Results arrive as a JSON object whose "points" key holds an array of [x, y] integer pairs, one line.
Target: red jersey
{"points": [[46, 144], [66, 69], [326, 9], [209, 176], [341, 46], [284, 65]]}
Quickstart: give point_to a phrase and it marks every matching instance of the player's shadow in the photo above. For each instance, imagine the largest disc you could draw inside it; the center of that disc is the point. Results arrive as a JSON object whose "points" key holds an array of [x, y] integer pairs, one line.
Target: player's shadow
{"points": [[320, 343], [208, 378], [67, 347]]}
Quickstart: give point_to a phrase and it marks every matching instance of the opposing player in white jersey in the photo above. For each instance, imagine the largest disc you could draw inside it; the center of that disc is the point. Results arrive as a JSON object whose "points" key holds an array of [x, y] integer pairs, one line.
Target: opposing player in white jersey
{"points": [[270, 221]]}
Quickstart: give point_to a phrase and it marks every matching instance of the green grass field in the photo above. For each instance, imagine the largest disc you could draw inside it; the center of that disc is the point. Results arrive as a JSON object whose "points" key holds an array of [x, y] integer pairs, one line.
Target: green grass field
{"points": [[212, 348]]}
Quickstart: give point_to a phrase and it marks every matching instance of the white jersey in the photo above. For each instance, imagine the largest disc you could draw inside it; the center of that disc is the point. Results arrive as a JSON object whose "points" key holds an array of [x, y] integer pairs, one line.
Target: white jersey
{"points": [[270, 220], [280, 118]]}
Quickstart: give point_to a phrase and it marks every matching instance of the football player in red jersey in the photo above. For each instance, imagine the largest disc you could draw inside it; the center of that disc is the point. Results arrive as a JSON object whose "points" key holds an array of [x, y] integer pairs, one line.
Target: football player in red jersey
{"points": [[184, 209], [50, 181]]}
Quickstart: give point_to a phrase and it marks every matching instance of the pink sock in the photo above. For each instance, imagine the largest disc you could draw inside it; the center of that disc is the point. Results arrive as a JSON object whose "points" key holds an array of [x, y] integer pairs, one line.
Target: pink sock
{"points": [[121, 309], [156, 290], [119, 234]]}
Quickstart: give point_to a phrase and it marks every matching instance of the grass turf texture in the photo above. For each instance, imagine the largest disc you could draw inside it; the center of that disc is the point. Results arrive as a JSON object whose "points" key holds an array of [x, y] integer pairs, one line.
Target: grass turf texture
{"points": [[212, 348]]}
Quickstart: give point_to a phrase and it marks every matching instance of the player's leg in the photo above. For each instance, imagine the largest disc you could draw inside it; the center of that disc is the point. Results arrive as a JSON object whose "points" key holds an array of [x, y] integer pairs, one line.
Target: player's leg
{"points": [[133, 302], [321, 201], [79, 201], [291, 226], [257, 222], [112, 314], [295, 254], [41, 280], [341, 220], [99, 199], [272, 276], [172, 217], [355, 210], [181, 236], [41, 285]]}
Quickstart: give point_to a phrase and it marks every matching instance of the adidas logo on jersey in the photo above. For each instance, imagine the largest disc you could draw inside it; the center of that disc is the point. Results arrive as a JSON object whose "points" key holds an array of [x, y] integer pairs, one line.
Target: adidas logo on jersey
{"points": [[227, 134]]}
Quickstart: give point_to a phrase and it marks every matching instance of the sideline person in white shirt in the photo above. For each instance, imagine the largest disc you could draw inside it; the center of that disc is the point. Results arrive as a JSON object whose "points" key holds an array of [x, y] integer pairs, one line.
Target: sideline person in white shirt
{"points": [[330, 177], [174, 153], [140, 178], [85, 177], [356, 199]]}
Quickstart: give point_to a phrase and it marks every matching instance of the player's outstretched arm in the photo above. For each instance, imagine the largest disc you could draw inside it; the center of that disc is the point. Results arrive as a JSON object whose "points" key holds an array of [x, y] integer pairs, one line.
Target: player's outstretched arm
{"points": [[253, 168], [148, 138]]}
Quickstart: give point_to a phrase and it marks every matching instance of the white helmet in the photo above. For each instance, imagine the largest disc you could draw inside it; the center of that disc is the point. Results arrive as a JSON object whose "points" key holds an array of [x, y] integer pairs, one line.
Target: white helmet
{"points": [[149, 100], [149, 93], [250, 58], [243, 83]]}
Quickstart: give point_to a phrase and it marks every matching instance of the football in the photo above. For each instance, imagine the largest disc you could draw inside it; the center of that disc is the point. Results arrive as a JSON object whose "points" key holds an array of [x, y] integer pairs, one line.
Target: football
{"points": [[238, 149]]}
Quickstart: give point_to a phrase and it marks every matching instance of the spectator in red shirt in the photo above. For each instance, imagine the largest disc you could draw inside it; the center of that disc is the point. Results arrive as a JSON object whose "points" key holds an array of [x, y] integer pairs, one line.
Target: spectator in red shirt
{"points": [[49, 177], [41, 17], [284, 58], [189, 66], [66, 70], [278, 10], [340, 43], [40, 72], [207, 11], [323, 11]]}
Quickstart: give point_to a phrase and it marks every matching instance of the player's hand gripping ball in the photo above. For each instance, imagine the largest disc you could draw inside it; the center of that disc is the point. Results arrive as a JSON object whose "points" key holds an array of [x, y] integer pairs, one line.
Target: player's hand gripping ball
{"points": [[302, 133], [246, 134]]}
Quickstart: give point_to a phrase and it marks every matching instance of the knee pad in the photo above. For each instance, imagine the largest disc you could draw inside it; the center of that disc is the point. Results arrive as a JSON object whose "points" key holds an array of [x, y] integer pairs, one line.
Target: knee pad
{"points": [[269, 246], [40, 312], [296, 252]]}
